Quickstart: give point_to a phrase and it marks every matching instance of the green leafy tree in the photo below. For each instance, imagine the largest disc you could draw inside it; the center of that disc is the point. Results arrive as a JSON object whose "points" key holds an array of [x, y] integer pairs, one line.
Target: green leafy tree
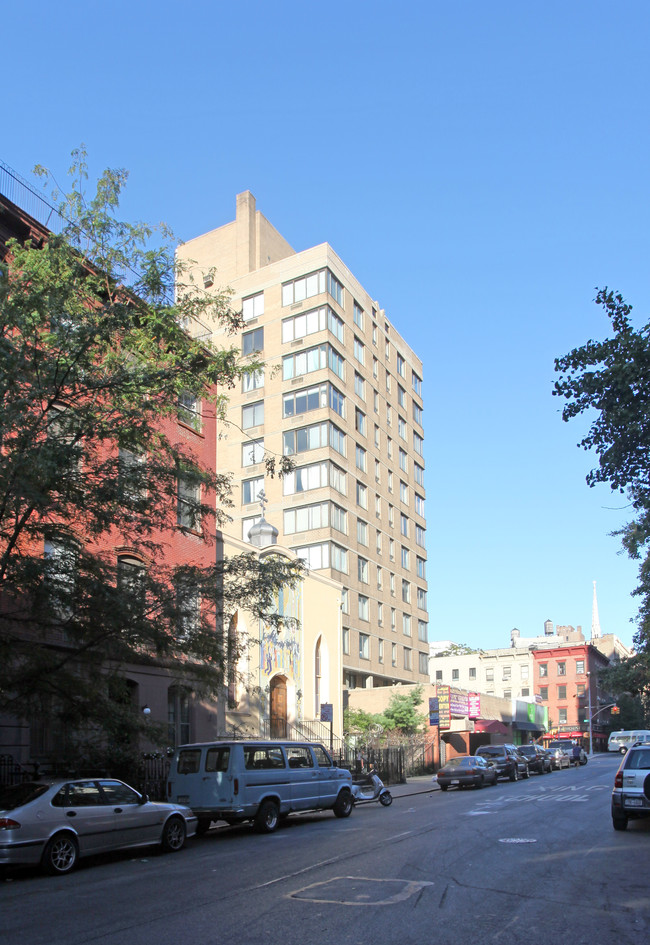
{"points": [[609, 382], [98, 354], [402, 712]]}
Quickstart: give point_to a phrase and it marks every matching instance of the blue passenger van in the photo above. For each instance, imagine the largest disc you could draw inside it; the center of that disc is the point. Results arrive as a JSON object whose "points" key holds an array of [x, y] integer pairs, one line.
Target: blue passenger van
{"points": [[257, 780]]}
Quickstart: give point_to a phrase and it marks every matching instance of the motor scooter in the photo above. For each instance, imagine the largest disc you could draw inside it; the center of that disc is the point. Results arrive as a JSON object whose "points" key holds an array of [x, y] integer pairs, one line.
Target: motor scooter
{"points": [[371, 788]]}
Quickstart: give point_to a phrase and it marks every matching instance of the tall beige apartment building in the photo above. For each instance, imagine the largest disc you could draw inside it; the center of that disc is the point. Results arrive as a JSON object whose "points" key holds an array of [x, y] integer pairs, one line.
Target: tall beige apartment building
{"points": [[341, 393]]}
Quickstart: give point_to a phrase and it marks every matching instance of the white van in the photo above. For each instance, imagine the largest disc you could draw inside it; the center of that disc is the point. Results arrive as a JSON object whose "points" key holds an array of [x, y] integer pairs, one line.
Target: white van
{"points": [[621, 741], [257, 780]]}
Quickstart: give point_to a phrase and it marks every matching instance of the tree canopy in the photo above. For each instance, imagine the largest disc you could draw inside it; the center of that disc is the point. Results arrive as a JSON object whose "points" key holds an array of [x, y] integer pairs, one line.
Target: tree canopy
{"points": [[609, 381], [102, 347]]}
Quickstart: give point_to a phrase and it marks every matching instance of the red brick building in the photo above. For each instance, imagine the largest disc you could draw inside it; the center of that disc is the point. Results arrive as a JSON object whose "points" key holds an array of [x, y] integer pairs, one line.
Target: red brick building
{"points": [[565, 680]]}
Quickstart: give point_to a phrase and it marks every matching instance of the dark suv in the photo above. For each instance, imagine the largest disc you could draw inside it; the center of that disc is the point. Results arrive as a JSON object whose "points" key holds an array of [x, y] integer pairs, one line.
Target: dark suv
{"points": [[536, 757], [509, 763]]}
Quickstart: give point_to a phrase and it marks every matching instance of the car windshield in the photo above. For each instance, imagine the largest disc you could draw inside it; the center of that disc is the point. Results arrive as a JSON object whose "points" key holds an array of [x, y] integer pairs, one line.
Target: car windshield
{"points": [[16, 795], [526, 750], [495, 752], [458, 763]]}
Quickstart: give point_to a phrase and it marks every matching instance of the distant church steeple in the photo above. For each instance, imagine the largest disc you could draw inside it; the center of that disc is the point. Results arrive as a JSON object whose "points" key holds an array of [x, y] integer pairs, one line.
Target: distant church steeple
{"points": [[595, 622]]}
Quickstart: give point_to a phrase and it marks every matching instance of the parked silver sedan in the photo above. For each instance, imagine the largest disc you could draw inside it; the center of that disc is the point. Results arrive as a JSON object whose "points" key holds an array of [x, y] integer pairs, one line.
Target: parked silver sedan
{"points": [[56, 822], [559, 758]]}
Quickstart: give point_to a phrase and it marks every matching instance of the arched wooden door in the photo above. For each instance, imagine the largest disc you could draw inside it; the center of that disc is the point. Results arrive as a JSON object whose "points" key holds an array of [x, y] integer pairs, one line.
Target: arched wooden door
{"points": [[278, 707]]}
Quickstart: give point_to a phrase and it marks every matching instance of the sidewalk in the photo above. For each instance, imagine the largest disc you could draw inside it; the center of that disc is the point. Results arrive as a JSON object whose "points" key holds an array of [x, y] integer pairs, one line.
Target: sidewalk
{"points": [[421, 784]]}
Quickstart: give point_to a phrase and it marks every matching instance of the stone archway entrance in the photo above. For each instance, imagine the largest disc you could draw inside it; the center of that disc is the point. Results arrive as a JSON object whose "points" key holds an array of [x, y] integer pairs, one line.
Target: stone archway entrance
{"points": [[278, 727]]}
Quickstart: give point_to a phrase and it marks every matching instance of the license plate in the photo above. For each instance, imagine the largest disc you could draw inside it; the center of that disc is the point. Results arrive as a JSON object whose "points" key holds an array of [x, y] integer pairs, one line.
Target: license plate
{"points": [[633, 802], [183, 799], [455, 782]]}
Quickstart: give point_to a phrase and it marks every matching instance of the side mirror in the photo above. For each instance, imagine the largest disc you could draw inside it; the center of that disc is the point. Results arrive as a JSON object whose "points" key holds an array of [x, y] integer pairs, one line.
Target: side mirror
{"points": [[144, 798]]}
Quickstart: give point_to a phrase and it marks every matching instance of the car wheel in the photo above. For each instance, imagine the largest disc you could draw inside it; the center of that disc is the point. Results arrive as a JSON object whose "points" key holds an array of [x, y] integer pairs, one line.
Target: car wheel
{"points": [[386, 799], [343, 804], [646, 786], [267, 817], [622, 750], [61, 854], [443, 787], [619, 823], [526, 774], [173, 835]]}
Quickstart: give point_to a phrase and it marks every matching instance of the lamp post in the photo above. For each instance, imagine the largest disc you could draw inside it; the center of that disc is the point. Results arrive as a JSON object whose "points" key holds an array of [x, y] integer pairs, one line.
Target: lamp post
{"points": [[591, 740]]}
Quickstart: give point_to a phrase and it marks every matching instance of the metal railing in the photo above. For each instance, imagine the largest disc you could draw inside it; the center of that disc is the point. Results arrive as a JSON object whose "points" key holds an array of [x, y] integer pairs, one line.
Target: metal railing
{"points": [[24, 195]]}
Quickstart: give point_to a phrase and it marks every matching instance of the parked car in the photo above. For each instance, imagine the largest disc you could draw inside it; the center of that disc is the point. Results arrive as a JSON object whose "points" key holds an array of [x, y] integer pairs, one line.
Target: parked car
{"points": [[538, 759], [577, 754], [559, 758], [509, 763], [466, 771], [631, 794], [54, 823]]}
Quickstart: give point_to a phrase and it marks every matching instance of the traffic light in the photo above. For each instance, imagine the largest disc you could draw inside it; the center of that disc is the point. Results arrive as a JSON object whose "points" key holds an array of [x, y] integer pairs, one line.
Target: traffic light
{"points": [[616, 710]]}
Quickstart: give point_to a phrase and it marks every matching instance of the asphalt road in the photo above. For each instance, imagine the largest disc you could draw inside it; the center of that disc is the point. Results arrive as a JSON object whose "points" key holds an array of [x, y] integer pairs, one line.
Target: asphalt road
{"points": [[530, 862]]}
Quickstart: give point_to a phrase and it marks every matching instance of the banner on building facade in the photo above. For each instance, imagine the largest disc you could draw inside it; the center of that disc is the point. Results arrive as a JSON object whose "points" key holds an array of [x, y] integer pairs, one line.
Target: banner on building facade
{"points": [[444, 706], [434, 711], [474, 702]]}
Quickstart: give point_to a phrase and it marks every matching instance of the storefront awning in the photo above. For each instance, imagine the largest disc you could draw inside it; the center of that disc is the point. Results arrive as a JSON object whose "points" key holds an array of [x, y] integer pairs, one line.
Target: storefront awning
{"points": [[527, 726]]}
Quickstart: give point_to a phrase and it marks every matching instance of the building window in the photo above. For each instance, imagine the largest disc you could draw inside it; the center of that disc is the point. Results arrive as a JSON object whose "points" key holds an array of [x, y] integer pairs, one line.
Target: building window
{"points": [[362, 570], [393, 619], [305, 478], [561, 669], [346, 640], [189, 409], [418, 444], [407, 658], [416, 383], [362, 495], [472, 672], [378, 541], [252, 452], [339, 518], [362, 532], [359, 350], [361, 458], [423, 634], [581, 689], [543, 669], [304, 288], [489, 674], [401, 396], [380, 651], [417, 413], [364, 646], [253, 341], [250, 489], [357, 315], [507, 693], [131, 584], [580, 667], [406, 624], [178, 716], [406, 591], [188, 498], [359, 386], [404, 492], [562, 716], [334, 288], [438, 675], [393, 654], [188, 610], [561, 692], [252, 415], [543, 693], [405, 557], [310, 323], [363, 607], [403, 460], [419, 505], [345, 600], [423, 663], [421, 567], [422, 599], [252, 307], [380, 613], [360, 421], [401, 365], [306, 517], [391, 581], [305, 439], [507, 672], [401, 427], [252, 380], [420, 536], [312, 359], [404, 525], [525, 692], [299, 402], [455, 675], [418, 474]]}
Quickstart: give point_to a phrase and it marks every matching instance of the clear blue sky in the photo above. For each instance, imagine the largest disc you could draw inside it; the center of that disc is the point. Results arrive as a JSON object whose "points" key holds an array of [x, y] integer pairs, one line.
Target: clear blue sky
{"points": [[480, 166]]}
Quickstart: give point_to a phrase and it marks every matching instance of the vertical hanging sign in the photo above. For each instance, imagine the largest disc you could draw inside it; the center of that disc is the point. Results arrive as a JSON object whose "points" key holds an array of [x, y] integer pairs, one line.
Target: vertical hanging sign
{"points": [[444, 706]]}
